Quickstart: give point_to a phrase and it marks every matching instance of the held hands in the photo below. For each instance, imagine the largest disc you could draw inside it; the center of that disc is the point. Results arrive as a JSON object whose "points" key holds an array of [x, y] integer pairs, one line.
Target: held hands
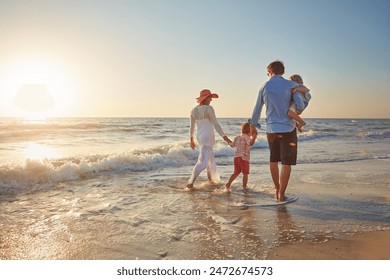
{"points": [[253, 131], [227, 140], [192, 142]]}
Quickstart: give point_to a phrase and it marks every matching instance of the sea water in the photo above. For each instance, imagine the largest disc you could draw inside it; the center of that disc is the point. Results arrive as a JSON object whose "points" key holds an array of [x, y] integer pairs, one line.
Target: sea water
{"points": [[64, 150], [126, 177]]}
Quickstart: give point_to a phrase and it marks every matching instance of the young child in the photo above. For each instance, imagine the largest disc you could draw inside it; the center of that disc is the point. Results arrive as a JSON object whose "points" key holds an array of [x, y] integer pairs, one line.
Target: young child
{"points": [[292, 111], [242, 154]]}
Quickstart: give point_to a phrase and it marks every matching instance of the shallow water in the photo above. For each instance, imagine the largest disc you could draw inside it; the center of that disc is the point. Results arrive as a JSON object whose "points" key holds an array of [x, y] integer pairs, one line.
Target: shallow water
{"points": [[123, 197]]}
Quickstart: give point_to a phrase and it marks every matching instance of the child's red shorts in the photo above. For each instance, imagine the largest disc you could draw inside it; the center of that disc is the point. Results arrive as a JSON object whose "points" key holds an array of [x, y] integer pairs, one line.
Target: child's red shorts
{"points": [[241, 165]]}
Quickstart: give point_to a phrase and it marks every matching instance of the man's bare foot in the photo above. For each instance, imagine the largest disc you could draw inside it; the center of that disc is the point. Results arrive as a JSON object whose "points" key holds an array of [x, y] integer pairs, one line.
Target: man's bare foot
{"points": [[300, 125], [282, 198], [277, 194], [245, 188], [190, 186]]}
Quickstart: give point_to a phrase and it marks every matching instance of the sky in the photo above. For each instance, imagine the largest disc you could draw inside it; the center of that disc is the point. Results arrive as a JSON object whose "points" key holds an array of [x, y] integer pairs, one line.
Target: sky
{"points": [[151, 58]]}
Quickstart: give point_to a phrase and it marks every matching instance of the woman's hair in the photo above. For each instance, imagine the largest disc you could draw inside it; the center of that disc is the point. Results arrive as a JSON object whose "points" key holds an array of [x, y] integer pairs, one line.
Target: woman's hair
{"points": [[277, 67], [246, 128], [296, 78]]}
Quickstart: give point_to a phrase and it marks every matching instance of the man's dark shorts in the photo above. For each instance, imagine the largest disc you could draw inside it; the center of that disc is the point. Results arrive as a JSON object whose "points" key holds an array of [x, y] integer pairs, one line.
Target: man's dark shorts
{"points": [[283, 147]]}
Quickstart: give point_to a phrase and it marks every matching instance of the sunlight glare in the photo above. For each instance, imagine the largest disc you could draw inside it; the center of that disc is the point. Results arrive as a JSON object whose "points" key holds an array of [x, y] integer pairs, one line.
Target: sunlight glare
{"points": [[33, 72], [39, 152]]}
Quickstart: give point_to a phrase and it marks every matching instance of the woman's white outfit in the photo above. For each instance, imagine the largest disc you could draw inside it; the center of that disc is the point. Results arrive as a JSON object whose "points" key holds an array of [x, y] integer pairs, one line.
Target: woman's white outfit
{"points": [[203, 116]]}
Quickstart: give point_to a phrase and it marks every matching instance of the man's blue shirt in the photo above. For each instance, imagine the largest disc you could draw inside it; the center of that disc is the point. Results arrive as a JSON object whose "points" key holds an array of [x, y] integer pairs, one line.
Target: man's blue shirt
{"points": [[276, 96]]}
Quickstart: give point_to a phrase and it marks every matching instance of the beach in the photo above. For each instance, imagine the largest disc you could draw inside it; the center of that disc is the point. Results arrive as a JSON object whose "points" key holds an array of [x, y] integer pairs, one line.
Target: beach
{"points": [[362, 246], [204, 224], [133, 205]]}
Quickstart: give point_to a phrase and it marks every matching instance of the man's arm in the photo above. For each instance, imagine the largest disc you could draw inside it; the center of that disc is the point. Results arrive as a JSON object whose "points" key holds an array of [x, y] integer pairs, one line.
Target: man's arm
{"points": [[300, 88], [257, 110], [299, 102], [297, 93]]}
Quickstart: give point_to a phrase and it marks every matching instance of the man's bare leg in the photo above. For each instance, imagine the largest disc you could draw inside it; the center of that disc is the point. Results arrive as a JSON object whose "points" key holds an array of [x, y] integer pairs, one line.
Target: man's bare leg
{"points": [[284, 178], [274, 168]]}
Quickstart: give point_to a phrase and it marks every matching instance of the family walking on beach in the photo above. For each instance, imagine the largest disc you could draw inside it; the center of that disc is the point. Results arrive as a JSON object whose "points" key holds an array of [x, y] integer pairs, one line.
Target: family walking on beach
{"points": [[284, 101]]}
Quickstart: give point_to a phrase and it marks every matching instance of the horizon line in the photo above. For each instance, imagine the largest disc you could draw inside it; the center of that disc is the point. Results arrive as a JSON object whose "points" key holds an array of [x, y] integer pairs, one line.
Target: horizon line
{"points": [[180, 117]]}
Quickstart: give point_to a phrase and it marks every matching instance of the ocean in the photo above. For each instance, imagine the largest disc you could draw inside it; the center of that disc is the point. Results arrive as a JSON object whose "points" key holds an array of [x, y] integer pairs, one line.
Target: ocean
{"points": [[114, 188]]}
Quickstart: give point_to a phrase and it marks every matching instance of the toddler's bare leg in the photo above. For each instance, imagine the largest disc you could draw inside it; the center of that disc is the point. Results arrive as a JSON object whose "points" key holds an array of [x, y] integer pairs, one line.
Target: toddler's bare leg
{"points": [[245, 181], [229, 183]]}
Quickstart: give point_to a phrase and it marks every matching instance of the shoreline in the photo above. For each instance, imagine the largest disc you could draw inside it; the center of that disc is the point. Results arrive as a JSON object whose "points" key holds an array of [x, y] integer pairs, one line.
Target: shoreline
{"points": [[361, 246], [341, 214]]}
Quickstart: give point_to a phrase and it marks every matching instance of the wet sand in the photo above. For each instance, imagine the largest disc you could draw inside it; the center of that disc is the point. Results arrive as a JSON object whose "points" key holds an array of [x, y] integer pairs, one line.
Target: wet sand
{"points": [[362, 246], [341, 214]]}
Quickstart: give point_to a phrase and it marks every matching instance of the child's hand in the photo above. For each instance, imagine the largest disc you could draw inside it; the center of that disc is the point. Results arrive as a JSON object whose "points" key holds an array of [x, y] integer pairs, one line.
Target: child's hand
{"points": [[227, 139], [253, 130]]}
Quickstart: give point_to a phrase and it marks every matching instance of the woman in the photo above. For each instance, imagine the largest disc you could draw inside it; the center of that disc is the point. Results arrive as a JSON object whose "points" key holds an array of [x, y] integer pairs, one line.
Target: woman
{"points": [[203, 116]]}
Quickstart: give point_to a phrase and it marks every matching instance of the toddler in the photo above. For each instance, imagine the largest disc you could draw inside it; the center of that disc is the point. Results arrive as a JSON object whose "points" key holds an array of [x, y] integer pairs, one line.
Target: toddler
{"points": [[242, 154], [292, 111]]}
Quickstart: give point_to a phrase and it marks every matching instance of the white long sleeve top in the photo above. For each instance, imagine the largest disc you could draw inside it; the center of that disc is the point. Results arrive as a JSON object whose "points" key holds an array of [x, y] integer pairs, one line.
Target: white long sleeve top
{"points": [[204, 118]]}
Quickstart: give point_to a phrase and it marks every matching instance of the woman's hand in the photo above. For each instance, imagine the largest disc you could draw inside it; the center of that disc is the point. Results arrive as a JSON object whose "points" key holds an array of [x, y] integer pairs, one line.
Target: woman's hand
{"points": [[227, 140], [192, 143]]}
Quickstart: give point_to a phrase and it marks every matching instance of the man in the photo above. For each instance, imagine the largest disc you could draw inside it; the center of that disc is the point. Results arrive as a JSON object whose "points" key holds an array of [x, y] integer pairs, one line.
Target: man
{"points": [[281, 133]]}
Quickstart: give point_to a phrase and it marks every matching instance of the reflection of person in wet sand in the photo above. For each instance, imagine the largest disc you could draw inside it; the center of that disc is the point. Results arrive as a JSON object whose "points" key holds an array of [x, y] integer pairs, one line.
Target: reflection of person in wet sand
{"points": [[287, 230], [217, 232]]}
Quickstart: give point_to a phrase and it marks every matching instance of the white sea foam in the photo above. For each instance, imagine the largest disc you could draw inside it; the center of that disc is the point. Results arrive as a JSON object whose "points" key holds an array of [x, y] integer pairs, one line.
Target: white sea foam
{"points": [[52, 171]]}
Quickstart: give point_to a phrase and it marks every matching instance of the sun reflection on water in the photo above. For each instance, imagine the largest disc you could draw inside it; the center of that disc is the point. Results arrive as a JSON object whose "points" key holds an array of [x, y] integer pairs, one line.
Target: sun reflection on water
{"points": [[39, 152], [34, 118]]}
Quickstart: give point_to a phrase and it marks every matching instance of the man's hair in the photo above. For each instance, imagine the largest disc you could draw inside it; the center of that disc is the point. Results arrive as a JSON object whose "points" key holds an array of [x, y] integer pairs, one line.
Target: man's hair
{"points": [[246, 128], [277, 67]]}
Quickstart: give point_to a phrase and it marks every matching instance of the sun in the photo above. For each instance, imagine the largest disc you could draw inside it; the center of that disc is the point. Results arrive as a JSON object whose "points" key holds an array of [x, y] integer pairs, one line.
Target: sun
{"points": [[34, 98], [38, 87]]}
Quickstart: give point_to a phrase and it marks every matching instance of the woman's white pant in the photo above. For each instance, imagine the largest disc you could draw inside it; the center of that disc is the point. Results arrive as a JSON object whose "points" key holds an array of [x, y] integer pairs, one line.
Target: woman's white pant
{"points": [[205, 160]]}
